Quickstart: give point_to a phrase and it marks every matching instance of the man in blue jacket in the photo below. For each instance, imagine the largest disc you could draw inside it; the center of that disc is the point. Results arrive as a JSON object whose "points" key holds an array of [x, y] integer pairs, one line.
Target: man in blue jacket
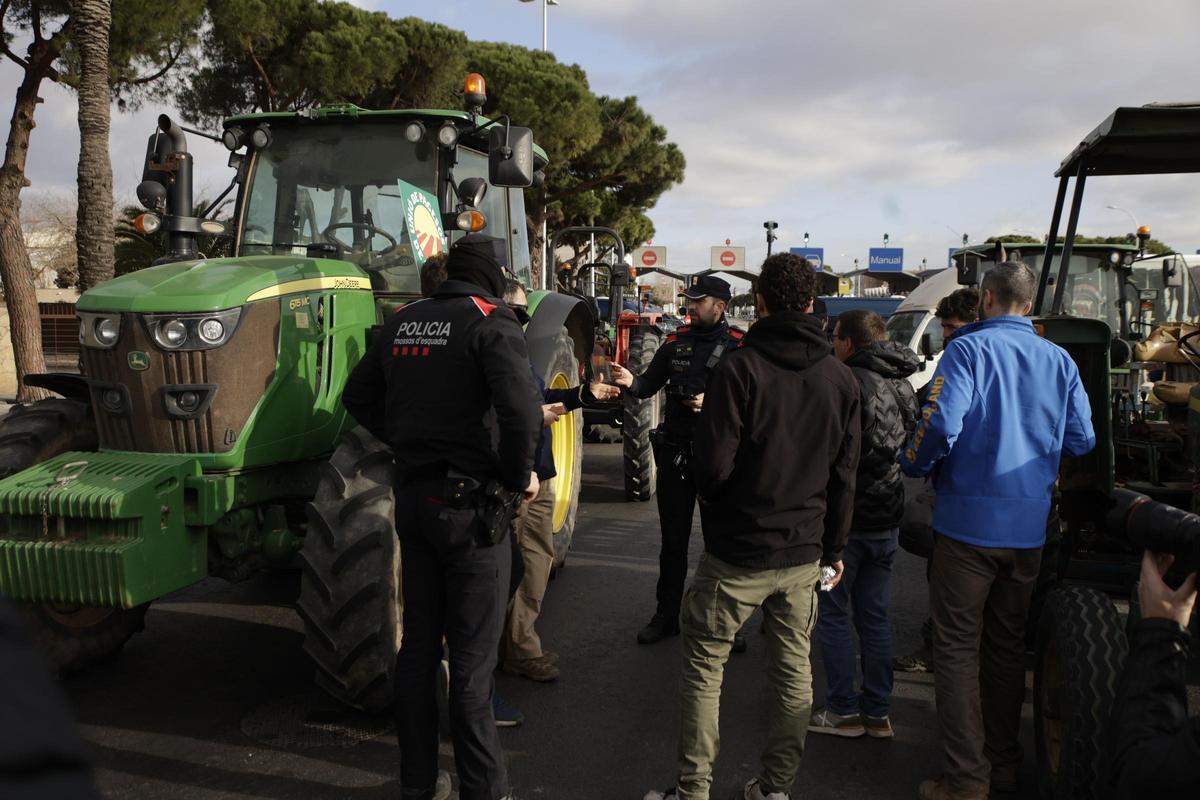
{"points": [[1003, 406]]}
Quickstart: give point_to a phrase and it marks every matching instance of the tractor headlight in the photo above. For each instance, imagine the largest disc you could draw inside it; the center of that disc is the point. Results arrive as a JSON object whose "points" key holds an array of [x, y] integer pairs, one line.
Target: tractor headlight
{"points": [[193, 331], [212, 331], [99, 330], [107, 331], [172, 334], [414, 132], [447, 135]]}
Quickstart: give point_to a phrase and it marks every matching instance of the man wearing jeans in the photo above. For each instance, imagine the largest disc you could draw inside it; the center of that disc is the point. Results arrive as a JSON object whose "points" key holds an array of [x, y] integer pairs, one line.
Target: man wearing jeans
{"points": [[889, 414], [770, 520], [1003, 406]]}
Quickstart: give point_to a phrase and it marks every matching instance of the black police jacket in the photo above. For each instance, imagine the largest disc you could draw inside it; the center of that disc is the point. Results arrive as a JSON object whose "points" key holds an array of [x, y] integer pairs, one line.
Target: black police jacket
{"points": [[889, 415], [683, 365], [1156, 748], [447, 382]]}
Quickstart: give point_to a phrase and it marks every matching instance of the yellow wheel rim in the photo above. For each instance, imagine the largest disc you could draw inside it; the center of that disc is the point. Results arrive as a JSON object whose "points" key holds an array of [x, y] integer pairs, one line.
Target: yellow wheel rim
{"points": [[563, 444]]}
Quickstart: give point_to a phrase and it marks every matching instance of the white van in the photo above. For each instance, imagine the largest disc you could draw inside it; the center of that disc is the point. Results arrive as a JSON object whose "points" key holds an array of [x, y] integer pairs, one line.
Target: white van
{"points": [[913, 324]]}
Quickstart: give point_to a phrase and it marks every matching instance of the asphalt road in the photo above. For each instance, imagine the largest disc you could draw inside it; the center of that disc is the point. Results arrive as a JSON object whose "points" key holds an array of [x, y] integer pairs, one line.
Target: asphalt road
{"points": [[215, 700]]}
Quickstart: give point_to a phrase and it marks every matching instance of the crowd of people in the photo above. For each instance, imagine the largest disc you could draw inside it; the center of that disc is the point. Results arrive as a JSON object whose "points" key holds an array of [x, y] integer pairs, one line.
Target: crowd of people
{"points": [[810, 542]]}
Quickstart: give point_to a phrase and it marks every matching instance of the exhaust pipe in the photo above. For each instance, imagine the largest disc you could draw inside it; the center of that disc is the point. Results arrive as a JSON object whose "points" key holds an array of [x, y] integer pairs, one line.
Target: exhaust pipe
{"points": [[167, 187], [174, 133]]}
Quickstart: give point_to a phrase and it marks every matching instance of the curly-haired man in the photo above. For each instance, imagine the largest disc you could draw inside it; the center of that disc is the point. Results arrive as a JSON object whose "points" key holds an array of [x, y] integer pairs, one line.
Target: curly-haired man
{"points": [[776, 451]]}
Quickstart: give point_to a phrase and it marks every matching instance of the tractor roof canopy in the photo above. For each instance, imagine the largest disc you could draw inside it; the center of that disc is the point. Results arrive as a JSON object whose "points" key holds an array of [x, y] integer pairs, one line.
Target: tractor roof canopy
{"points": [[1153, 139]]}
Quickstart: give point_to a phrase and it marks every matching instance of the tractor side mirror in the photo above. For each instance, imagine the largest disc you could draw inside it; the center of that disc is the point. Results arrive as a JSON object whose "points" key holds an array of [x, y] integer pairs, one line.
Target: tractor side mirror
{"points": [[1171, 273], [968, 270], [510, 157]]}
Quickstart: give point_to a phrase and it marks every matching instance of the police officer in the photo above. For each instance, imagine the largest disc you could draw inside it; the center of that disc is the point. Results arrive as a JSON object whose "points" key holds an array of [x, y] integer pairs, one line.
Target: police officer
{"points": [[447, 384], [682, 364]]}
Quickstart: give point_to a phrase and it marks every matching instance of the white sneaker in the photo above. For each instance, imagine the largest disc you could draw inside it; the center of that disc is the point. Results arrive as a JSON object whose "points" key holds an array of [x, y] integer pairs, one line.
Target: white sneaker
{"points": [[753, 792], [657, 795]]}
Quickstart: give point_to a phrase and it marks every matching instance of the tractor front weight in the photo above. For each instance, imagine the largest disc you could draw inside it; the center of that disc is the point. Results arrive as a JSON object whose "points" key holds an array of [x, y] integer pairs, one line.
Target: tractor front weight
{"points": [[120, 529]]}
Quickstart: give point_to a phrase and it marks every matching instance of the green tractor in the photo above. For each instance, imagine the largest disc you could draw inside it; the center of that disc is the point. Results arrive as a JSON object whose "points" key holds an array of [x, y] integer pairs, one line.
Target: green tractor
{"points": [[1128, 320], [206, 436]]}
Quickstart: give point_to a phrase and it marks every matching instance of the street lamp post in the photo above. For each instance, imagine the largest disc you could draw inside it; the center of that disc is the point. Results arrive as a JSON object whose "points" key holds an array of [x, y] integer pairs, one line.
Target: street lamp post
{"points": [[546, 255], [770, 225], [1127, 213]]}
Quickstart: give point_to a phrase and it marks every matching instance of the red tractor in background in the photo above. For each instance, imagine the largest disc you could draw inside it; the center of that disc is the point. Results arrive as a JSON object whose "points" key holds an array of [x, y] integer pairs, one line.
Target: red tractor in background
{"points": [[628, 336]]}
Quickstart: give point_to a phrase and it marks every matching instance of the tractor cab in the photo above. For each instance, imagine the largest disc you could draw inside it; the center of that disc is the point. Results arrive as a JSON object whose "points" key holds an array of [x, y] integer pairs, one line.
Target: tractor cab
{"points": [[381, 190], [338, 184], [1101, 281]]}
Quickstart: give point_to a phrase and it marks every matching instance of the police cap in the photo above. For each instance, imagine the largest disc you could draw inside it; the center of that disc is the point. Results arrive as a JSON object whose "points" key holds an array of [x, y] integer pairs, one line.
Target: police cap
{"points": [[708, 286]]}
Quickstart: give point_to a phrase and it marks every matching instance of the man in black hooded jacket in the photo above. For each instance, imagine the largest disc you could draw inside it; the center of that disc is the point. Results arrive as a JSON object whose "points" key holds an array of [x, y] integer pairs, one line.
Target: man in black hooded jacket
{"points": [[776, 450], [889, 415]]}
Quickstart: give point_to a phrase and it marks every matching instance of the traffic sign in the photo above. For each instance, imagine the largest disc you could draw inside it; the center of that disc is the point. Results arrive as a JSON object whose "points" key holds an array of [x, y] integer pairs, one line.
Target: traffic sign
{"points": [[728, 258], [646, 257], [815, 256], [885, 259], [845, 286]]}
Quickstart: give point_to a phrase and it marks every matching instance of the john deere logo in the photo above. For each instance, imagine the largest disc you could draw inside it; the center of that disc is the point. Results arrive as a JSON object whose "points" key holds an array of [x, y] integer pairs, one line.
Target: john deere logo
{"points": [[139, 360]]}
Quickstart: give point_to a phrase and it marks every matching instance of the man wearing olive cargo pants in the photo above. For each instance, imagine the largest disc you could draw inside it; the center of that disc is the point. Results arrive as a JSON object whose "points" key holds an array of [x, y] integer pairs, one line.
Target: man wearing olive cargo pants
{"points": [[770, 520]]}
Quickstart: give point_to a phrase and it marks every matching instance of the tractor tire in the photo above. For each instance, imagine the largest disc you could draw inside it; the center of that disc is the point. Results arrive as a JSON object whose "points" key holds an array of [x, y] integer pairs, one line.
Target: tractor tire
{"points": [[73, 636], [1080, 655], [350, 597], [640, 417], [567, 442]]}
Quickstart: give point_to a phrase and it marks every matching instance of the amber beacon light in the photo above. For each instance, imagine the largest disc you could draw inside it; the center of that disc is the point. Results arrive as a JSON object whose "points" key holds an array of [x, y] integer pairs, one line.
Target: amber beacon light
{"points": [[475, 90]]}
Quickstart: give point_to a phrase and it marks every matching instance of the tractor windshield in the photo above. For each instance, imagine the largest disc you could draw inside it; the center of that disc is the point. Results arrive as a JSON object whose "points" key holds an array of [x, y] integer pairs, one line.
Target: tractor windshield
{"points": [[333, 188]]}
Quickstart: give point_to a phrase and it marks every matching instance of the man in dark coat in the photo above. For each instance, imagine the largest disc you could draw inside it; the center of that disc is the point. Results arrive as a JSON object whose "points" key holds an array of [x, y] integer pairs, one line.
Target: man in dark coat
{"points": [[447, 384], [682, 366], [776, 448], [889, 414]]}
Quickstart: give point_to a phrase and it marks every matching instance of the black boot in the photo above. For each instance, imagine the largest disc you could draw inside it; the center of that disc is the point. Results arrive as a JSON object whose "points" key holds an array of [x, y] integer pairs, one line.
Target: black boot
{"points": [[661, 626]]}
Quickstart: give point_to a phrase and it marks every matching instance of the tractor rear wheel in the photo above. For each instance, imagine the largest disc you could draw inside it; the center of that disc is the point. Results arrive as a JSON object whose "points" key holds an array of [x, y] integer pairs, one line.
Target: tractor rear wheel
{"points": [[640, 417], [350, 598], [72, 635], [567, 444], [1080, 655]]}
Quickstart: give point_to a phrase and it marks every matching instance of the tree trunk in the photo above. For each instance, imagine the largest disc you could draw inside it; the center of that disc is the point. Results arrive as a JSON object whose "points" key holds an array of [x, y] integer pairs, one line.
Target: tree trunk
{"points": [[534, 215], [94, 228], [16, 271]]}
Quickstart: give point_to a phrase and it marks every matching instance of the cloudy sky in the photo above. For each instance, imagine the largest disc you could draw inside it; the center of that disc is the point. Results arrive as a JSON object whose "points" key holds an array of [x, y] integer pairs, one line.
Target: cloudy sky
{"points": [[846, 119]]}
